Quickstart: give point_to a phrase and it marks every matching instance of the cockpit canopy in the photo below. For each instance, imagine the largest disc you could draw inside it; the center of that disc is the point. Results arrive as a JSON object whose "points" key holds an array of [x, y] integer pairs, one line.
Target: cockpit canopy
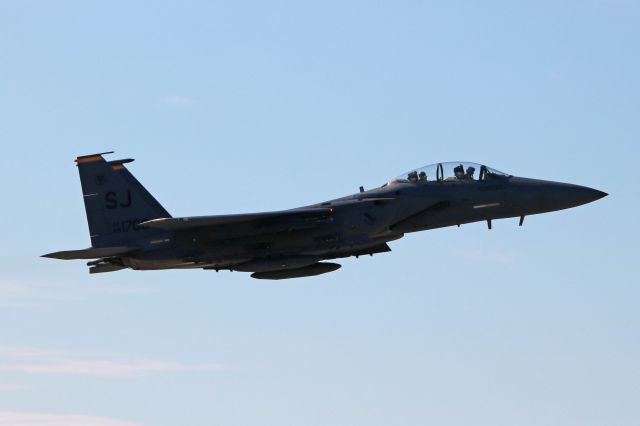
{"points": [[455, 171]]}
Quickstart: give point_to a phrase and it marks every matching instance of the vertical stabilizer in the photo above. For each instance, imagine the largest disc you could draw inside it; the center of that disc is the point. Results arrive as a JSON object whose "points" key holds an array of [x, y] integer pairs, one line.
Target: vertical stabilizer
{"points": [[116, 203]]}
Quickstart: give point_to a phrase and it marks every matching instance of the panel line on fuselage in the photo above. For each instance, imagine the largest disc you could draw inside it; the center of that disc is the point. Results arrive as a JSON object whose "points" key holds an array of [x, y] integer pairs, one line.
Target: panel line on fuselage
{"points": [[484, 206]]}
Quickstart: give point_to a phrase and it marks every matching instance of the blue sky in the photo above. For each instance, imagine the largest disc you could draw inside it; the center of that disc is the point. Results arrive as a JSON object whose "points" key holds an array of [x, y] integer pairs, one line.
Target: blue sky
{"points": [[250, 106]]}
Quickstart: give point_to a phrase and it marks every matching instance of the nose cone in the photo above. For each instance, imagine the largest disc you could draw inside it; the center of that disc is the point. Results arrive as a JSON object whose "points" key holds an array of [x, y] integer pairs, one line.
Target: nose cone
{"points": [[595, 195], [558, 196]]}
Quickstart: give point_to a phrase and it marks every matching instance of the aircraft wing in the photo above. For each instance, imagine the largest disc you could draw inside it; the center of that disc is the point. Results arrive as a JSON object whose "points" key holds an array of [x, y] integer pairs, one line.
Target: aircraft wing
{"points": [[286, 219], [90, 253], [362, 201]]}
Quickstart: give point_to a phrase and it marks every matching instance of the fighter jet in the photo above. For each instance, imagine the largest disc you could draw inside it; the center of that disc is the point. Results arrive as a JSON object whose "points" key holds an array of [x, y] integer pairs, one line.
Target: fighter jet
{"points": [[130, 229]]}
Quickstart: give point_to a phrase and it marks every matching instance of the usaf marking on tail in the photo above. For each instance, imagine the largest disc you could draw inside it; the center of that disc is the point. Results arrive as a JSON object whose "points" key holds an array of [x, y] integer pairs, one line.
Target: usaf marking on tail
{"points": [[130, 229]]}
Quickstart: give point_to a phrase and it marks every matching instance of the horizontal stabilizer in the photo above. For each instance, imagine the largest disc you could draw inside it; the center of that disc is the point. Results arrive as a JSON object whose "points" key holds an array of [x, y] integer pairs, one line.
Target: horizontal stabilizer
{"points": [[90, 253]]}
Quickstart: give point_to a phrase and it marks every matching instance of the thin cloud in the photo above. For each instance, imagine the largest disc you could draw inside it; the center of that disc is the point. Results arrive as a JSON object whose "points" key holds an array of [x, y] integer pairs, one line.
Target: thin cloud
{"points": [[106, 369], [22, 352], [19, 305], [12, 291], [13, 418], [123, 290], [26, 360], [29, 295], [26, 295], [13, 387]]}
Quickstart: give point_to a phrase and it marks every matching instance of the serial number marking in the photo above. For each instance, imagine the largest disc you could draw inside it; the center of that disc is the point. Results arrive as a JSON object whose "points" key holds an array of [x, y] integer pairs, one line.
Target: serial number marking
{"points": [[128, 226]]}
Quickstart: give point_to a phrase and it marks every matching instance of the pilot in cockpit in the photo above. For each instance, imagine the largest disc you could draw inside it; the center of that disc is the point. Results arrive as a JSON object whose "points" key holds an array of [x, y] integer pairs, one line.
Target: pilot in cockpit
{"points": [[422, 177], [413, 176], [470, 172], [458, 171]]}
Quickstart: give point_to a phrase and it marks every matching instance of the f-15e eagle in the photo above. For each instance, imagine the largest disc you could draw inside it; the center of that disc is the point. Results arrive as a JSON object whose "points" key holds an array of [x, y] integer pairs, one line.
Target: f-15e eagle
{"points": [[130, 229]]}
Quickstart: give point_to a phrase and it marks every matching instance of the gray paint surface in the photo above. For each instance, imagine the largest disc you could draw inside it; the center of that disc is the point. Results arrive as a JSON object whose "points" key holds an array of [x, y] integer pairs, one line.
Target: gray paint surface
{"points": [[129, 228]]}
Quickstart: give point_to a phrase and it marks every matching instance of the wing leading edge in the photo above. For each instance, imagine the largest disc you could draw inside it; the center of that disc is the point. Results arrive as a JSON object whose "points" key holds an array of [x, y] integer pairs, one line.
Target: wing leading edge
{"points": [[265, 219]]}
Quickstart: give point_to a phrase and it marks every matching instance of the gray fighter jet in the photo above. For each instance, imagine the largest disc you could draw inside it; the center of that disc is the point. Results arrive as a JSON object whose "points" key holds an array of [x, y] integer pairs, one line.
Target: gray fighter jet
{"points": [[130, 229]]}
